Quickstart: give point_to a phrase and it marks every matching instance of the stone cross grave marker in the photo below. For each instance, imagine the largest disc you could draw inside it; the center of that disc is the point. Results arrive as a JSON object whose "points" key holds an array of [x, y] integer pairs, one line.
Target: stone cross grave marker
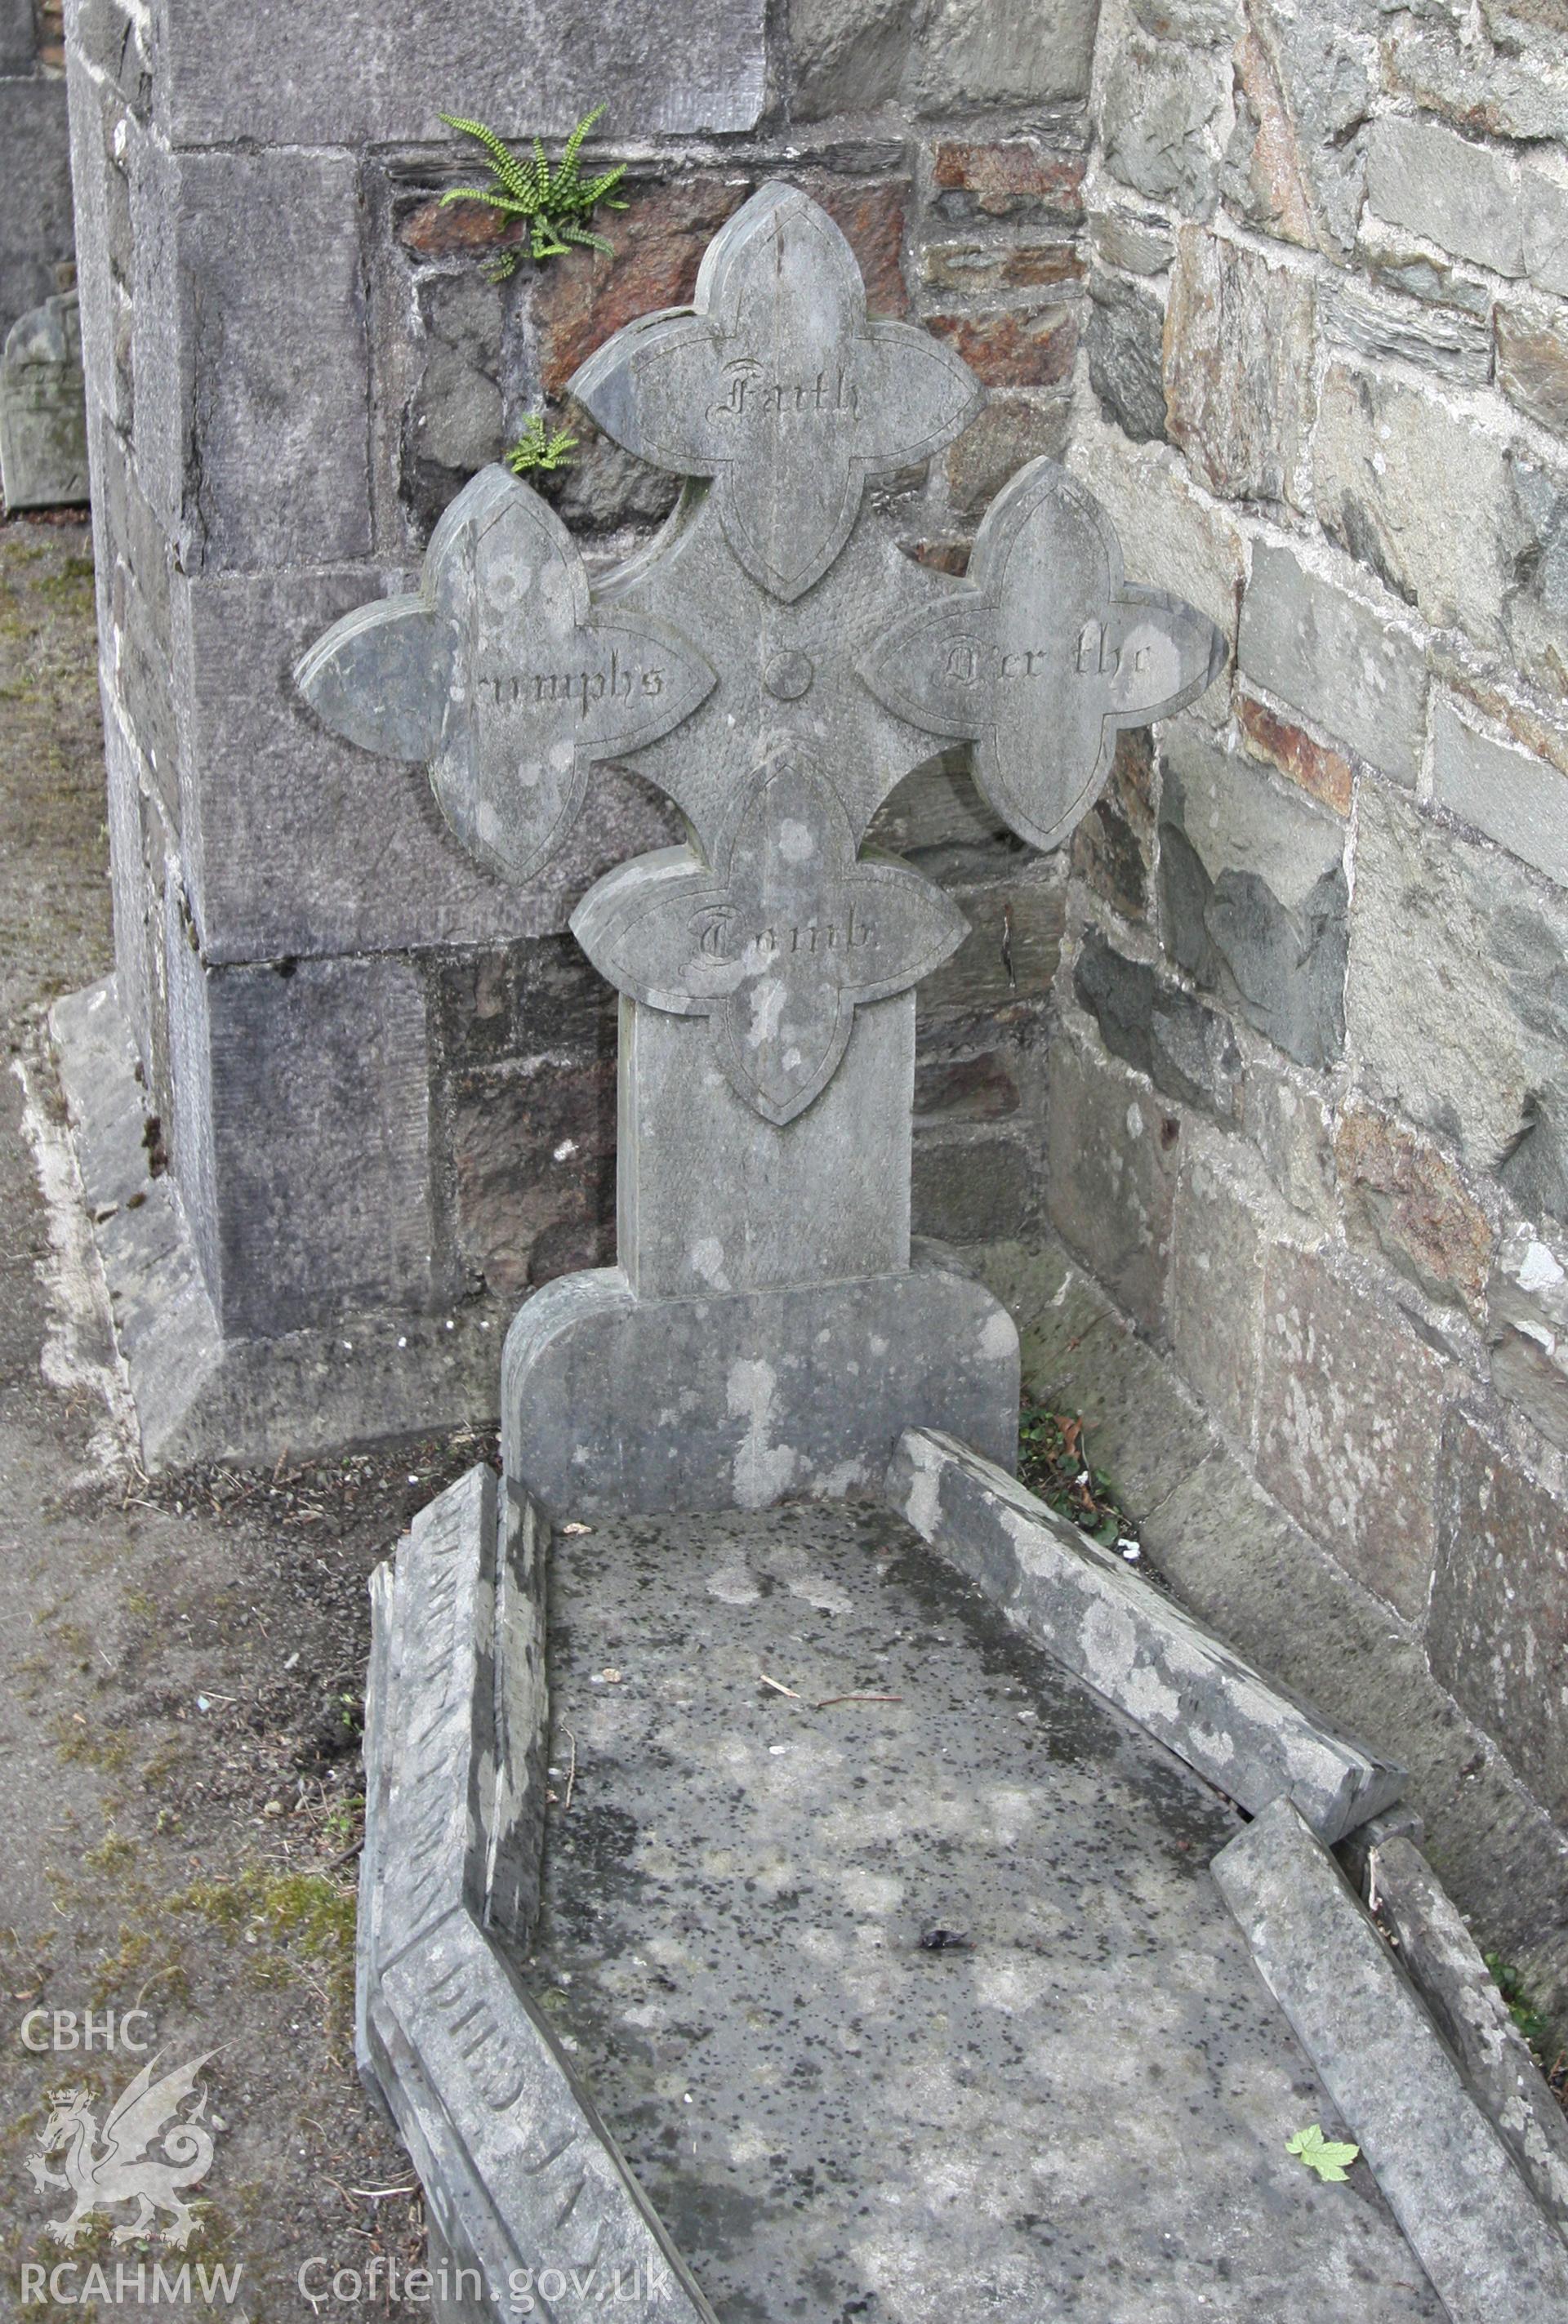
{"points": [[775, 664]]}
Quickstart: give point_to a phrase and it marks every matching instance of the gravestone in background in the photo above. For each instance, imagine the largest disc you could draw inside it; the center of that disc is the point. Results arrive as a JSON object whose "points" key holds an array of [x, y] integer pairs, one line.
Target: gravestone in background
{"points": [[775, 664], [43, 425]]}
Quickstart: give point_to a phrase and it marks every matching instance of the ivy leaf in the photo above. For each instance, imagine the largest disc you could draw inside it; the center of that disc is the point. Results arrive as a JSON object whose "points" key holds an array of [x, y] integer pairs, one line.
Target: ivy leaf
{"points": [[1330, 2157]]}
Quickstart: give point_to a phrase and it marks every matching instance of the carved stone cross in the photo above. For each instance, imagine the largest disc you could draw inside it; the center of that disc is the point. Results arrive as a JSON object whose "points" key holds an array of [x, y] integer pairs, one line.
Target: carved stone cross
{"points": [[776, 665]]}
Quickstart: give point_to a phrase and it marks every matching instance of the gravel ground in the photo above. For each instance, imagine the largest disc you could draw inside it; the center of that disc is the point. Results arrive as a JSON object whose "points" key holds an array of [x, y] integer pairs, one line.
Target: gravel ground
{"points": [[181, 1669]]}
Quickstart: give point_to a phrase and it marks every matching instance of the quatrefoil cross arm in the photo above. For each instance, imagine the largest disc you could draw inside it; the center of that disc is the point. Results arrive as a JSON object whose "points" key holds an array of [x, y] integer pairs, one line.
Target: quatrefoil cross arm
{"points": [[779, 388], [1043, 654], [778, 943], [501, 675]]}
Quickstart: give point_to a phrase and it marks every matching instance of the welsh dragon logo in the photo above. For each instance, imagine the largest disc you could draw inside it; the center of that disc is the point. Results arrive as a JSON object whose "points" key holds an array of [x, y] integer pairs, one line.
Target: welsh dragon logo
{"points": [[116, 2166]]}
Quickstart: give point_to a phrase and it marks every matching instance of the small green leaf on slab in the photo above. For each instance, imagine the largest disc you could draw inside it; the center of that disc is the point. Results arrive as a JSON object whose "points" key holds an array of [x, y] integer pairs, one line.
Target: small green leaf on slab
{"points": [[1331, 2158]]}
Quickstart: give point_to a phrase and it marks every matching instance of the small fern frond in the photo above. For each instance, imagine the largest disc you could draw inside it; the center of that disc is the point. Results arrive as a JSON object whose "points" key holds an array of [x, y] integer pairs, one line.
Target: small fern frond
{"points": [[574, 144], [502, 160], [507, 202]]}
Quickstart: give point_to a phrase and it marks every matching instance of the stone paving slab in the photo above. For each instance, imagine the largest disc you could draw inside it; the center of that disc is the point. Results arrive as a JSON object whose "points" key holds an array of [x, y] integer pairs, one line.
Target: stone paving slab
{"points": [[1139, 1650], [1078, 2112], [1440, 2161]]}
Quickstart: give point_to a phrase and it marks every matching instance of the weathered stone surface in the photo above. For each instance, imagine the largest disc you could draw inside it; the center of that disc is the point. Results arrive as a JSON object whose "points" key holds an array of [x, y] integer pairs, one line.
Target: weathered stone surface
{"points": [[1016, 178], [846, 56], [1440, 1958], [382, 80], [1184, 540], [1310, 80], [1123, 336], [614, 1403], [1112, 1157], [970, 56], [271, 358], [452, 422], [1264, 177], [1113, 846], [1356, 1464], [1187, 1051], [1288, 1122], [1446, 2174], [1517, 799], [1518, 88], [985, 269], [533, 1150], [1255, 902], [43, 437], [1238, 367], [303, 844], [1216, 1303], [1496, 1634], [1336, 659], [35, 206], [1032, 1795], [1394, 260], [1432, 501], [1544, 201], [1136, 243], [1010, 953], [1453, 1000], [1457, 346], [1461, 195], [824, 1199], [961, 1188], [1404, 1195], [1326, 775], [1013, 428], [1133, 1645], [202, 1397], [320, 1141], [1528, 1300], [18, 36], [1029, 347], [1533, 366], [1163, 122]]}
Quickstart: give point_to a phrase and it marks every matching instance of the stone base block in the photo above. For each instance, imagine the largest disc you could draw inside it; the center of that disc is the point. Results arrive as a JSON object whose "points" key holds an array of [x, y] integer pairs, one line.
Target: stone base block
{"points": [[611, 1403], [200, 1395]]}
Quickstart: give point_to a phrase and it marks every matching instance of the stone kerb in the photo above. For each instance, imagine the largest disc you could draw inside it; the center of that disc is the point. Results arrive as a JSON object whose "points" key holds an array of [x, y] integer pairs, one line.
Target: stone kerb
{"points": [[775, 666]]}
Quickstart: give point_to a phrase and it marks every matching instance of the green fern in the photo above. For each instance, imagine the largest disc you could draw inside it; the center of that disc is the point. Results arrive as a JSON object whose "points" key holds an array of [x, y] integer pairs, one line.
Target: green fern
{"points": [[538, 449], [553, 203]]}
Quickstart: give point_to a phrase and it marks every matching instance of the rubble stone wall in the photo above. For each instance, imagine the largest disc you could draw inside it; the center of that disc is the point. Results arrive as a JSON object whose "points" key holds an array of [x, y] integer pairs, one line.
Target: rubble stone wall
{"points": [[1314, 987]]}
